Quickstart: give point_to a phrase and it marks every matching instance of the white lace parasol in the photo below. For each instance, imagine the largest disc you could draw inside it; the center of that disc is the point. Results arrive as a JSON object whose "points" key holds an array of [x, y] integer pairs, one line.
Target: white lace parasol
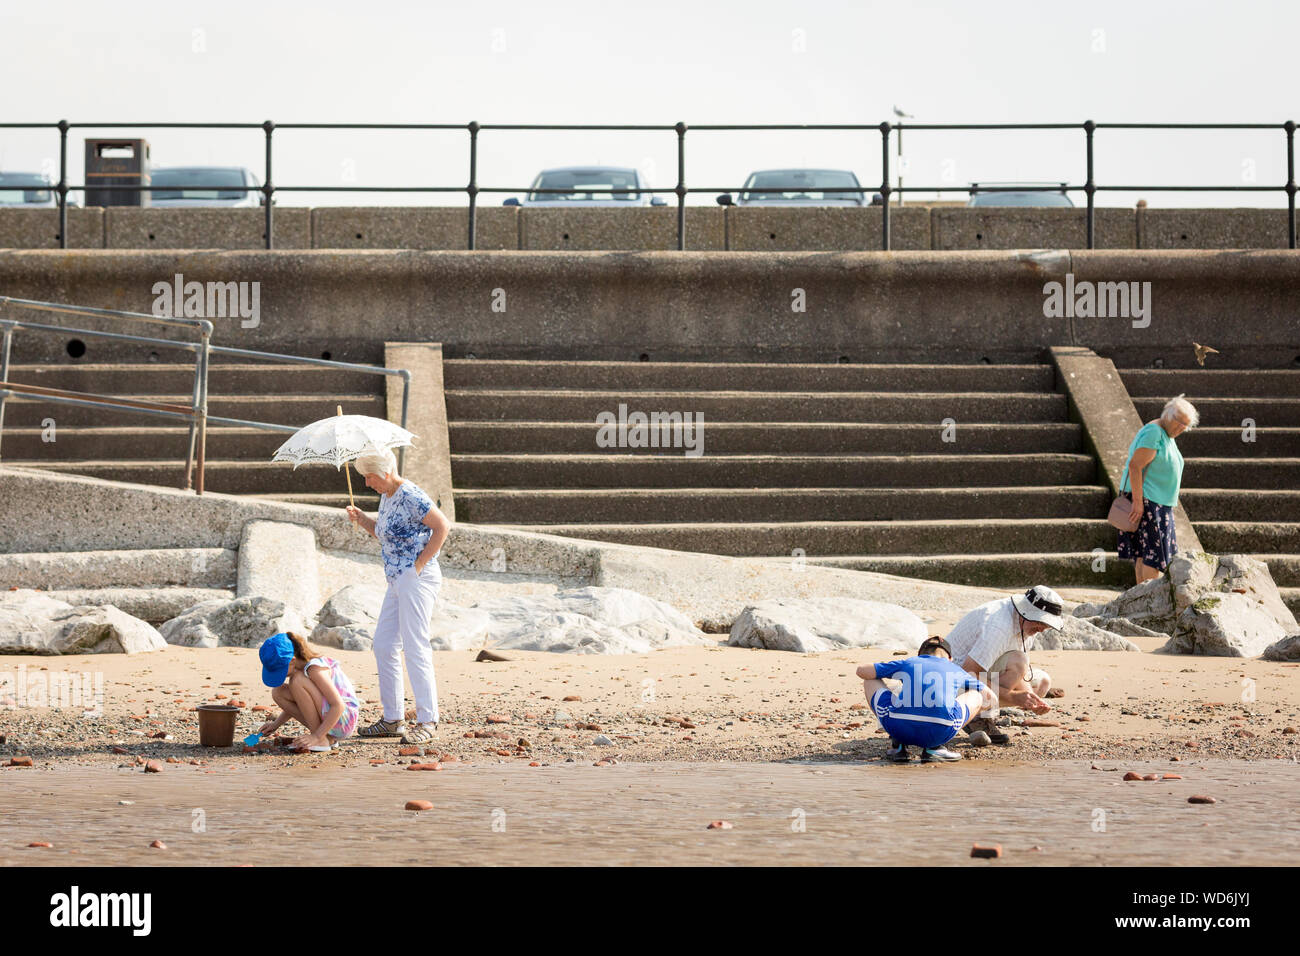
{"points": [[338, 440]]}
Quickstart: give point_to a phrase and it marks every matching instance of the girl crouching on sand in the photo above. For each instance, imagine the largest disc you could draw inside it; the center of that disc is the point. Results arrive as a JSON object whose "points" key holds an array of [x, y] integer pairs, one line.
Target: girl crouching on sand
{"points": [[310, 689]]}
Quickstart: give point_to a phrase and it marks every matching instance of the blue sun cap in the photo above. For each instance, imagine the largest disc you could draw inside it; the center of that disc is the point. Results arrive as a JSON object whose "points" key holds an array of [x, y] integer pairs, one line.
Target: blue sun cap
{"points": [[276, 653]]}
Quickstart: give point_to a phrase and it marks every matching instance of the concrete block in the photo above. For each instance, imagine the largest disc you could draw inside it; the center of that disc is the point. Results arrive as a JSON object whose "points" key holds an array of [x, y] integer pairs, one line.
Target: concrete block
{"points": [[410, 227], [1213, 228], [642, 227], [824, 229], [39, 228], [148, 228], [427, 461], [277, 560], [973, 227]]}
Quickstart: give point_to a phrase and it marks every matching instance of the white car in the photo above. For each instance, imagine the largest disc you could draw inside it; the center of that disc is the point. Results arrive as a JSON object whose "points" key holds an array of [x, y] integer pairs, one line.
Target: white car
{"points": [[593, 185], [799, 187], [223, 186], [27, 191]]}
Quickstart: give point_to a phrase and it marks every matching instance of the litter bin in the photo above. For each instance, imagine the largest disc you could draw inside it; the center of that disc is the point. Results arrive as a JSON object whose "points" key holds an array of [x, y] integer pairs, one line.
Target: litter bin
{"points": [[117, 162]]}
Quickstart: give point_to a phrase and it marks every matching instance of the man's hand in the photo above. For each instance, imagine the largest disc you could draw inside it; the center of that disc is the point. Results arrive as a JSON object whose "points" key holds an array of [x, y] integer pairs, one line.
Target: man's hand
{"points": [[1028, 700]]}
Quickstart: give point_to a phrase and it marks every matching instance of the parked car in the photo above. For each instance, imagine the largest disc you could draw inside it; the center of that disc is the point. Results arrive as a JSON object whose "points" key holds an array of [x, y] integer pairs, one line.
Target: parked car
{"points": [[1015, 194], [594, 185], [224, 186], [28, 190], [799, 187]]}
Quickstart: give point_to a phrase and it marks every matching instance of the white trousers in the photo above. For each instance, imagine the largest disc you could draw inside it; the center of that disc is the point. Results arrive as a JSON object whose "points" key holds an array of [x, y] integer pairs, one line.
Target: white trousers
{"points": [[403, 627]]}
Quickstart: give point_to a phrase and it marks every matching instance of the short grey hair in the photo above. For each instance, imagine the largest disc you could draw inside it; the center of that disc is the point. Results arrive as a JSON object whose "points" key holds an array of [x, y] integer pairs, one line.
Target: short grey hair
{"points": [[377, 463], [1180, 406]]}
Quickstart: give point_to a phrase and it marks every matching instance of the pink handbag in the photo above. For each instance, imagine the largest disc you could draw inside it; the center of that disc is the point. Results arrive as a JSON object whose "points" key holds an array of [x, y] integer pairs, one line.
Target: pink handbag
{"points": [[1121, 511]]}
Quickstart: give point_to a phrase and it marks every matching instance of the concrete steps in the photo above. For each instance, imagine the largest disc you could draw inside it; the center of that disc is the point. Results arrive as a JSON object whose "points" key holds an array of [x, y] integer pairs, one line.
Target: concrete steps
{"points": [[1217, 412], [213, 568], [806, 438], [845, 462], [226, 477], [744, 376], [627, 470], [121, 445], [1018, 570], [698, 505], [747, 539], [1247, 537], [567, 405]]}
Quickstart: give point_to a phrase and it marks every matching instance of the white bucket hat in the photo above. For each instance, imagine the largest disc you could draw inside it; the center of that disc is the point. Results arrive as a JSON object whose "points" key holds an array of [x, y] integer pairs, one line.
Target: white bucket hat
{"points": [[1040, 603]]}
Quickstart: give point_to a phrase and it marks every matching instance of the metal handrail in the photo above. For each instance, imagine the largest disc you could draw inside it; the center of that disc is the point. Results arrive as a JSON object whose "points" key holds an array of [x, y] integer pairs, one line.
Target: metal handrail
{"points": [[197, 414], [472, 189]]}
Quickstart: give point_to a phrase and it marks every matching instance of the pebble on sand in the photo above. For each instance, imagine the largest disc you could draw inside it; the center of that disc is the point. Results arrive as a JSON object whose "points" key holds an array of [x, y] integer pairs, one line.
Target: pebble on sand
{"points": [[408, 751], [1201, 798], [158, 845], [20, 761], [980, 739], [993, 852], [419, 805], [40, 843], [152, 766], [424, 766], [1131, 775], [719, 825], [572, 698]]}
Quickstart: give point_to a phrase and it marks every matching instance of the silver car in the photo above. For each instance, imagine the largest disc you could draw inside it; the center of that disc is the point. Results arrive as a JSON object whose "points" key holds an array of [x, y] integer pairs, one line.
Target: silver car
{"points": [[612, 186], [27, 190], [1015, 194], [799, 187], [221, 186]]}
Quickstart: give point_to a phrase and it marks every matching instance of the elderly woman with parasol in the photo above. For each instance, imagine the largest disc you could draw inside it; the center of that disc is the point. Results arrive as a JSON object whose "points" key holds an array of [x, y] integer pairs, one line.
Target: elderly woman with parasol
{"points": [[411, 530]]}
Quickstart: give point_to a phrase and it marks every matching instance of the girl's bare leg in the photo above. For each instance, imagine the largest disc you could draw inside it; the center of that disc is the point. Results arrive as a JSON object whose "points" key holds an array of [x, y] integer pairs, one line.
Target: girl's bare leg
{"points": [[308, 698], [283, 696]]}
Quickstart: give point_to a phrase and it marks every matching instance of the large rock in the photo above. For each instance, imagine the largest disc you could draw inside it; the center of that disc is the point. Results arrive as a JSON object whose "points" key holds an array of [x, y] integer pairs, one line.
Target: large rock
{"points": [[243, 622], [347, 621], [277, 560], [827, 624], [1080, 635], [459, 628], [154, 605], [1223, 605], [589, 620], [1287, 649], [35, 623], [1224, 625]]}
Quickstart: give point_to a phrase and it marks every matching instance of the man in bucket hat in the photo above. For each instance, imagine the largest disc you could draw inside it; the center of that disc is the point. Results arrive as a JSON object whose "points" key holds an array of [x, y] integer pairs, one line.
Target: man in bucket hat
{"points": [[992, 643]]}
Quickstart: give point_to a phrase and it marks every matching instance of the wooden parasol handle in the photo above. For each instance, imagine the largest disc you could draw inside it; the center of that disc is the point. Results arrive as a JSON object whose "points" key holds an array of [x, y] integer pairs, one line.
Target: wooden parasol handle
{"points": [[347, 467]]}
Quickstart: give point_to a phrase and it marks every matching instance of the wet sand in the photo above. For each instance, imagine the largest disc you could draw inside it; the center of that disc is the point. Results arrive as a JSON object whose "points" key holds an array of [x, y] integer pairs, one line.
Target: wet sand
{"points": [[1041, 812]]}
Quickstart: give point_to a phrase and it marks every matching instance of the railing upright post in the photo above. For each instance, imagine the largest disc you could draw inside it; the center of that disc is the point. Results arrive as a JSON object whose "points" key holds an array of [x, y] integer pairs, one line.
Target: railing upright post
{"points": [[268, 195], [406, 399], [63, 184], [472, 189], [884, 186], [4, 370], [1289, 126], [205, 341], [1090, 187], [681, 187]]}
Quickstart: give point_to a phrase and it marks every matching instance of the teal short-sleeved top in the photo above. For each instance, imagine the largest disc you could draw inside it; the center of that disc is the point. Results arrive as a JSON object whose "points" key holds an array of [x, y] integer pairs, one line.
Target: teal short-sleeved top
{"points": [[1162, 478]]}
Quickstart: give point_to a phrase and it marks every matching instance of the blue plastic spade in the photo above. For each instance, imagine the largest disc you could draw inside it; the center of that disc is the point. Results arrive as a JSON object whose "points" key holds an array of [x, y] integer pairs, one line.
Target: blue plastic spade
{"points": [[252, 739]]}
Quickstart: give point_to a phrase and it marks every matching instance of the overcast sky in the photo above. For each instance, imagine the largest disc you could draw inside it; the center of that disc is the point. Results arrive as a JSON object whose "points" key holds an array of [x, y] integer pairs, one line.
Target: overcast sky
{"points": [[759, 61]]}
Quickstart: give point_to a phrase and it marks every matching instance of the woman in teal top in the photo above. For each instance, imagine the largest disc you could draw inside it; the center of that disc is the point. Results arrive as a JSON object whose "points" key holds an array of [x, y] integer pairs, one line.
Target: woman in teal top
{"points": [[1152, 477]]}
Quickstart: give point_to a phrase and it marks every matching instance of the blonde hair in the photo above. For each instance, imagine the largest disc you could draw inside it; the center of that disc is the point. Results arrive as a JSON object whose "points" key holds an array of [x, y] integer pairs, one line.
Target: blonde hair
{"points": [[1181, 406], [381, 462]]}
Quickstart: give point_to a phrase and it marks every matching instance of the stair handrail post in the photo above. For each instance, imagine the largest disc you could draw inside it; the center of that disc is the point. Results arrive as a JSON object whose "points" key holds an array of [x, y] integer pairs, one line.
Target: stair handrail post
{"points": [[63, 184], [472, 189], [205, 342], [406, 399], [4, 369], [1289, 126]]}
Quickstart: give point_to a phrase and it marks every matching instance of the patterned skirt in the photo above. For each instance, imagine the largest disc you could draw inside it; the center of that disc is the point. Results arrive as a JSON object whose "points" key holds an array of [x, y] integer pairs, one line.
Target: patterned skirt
{"points": [[1154, 540]]}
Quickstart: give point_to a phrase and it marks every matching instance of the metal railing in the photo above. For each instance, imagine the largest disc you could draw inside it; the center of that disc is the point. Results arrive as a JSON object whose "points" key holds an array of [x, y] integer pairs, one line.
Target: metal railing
{"points": [[1090, 187], [197, 413]]}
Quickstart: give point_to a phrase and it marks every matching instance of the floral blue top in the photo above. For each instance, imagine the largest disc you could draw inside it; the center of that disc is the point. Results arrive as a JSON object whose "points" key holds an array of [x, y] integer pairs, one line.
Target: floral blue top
{"points": [[400, 527]]}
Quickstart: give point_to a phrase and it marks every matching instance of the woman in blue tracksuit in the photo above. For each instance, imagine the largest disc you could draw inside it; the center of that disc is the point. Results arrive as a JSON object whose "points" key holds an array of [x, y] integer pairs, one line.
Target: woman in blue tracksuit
{"points": [[936, 700]]}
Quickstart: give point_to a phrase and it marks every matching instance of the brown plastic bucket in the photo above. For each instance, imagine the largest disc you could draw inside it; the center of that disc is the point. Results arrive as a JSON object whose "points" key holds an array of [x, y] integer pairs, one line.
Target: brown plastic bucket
{"points": [[217, 725]]}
